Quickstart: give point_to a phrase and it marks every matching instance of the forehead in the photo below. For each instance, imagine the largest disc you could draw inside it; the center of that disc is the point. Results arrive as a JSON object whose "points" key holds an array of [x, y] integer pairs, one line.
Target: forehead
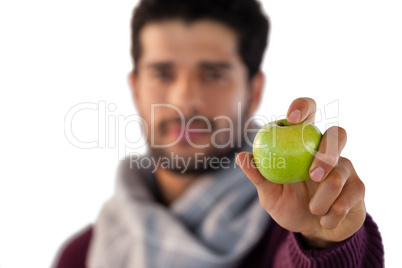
{"points": [[174, 40]]}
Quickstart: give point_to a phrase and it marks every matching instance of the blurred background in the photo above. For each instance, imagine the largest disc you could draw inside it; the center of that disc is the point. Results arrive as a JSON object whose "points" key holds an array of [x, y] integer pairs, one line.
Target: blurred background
{"points": [[55, 55]]}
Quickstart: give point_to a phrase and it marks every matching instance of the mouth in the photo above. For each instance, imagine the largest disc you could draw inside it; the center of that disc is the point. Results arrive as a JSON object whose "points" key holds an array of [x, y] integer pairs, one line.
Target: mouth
{"points": [[193, 131]]}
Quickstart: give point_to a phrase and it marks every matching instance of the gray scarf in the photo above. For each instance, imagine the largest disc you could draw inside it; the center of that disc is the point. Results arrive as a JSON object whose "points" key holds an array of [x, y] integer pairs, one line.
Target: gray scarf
{"points": [[215, 223]]}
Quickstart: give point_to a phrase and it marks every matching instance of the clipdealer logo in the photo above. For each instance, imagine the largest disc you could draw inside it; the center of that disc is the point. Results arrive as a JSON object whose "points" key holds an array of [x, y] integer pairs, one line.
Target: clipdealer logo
{"points": [[112, 128]]}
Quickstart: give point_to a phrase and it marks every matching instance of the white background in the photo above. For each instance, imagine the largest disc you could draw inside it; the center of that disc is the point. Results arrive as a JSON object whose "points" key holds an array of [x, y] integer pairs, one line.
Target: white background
{"points": [[56, 54]]}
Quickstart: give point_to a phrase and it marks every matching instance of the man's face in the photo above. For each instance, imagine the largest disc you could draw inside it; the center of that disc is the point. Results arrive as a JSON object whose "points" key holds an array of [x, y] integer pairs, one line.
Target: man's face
{"points": [[189, 83]]}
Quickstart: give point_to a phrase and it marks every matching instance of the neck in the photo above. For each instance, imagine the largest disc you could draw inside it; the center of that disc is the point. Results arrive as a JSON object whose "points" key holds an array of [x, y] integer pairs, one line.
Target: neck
{"points": [[172, 184]]}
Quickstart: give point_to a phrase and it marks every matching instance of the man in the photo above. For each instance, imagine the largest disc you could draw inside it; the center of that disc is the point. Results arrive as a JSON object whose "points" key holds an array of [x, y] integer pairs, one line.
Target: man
{"points": [[194, 63]]}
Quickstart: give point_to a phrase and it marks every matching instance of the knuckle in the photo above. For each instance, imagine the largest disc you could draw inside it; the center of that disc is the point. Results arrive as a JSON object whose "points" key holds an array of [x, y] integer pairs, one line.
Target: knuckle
{"points": [[339, 209], [304, 102], [336, 181], [333, 159], [336, 132], [329, 159], [310, 101], [361, 187], [316, 210], [346, 161], [332, 129]]}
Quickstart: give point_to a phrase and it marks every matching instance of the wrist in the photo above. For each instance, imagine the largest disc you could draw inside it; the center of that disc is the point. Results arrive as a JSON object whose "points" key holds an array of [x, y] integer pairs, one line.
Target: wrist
{"points": [[317, 242]]}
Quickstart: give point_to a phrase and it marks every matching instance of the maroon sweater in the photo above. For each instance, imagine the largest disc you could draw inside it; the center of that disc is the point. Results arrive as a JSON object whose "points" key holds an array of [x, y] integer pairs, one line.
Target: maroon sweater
{"points": [[277, 248]]}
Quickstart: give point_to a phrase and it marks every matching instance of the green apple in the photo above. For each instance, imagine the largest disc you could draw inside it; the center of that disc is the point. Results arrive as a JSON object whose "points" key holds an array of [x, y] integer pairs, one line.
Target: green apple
{"points": [[284, 152]]}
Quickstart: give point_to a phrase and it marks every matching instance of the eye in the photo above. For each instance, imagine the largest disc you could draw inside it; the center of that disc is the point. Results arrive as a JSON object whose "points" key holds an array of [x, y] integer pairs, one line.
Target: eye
{"points": [[164, 75], [213, 75]]}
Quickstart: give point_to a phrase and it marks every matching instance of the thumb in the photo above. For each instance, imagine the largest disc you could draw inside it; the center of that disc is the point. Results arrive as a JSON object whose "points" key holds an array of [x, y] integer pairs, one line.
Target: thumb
{"points": [[245, 161], [268, 191]]}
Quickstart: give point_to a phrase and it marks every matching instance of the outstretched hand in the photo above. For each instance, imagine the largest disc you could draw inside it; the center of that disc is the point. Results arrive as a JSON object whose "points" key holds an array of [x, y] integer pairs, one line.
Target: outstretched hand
{"points": [[328, 208]]}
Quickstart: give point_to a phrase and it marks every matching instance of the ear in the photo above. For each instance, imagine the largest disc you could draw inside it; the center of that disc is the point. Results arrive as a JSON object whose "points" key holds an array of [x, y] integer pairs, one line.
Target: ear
{"points": [[132, 79], [257, 88]]}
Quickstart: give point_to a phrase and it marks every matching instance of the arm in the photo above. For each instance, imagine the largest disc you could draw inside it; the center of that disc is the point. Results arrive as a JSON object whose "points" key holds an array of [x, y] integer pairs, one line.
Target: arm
{"points": [[74, 251], [327, 211], [362, 249]]}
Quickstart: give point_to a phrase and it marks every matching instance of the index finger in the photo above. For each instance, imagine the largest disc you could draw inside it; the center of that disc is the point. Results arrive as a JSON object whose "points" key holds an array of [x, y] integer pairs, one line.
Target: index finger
{"points": [[300, 110]]}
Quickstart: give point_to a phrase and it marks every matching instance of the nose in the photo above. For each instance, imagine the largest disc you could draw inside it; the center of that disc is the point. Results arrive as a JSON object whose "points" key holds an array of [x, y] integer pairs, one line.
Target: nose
{"points": [[186, 94]]}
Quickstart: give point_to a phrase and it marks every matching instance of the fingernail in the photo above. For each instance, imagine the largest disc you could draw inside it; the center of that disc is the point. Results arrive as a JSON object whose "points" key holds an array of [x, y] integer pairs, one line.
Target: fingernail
{"points": [[295, 116], [317, 174]]}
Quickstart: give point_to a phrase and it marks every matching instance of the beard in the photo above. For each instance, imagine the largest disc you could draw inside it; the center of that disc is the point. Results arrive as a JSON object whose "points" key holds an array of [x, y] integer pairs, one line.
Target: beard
{"points": [[207, 161], [212, 159]]}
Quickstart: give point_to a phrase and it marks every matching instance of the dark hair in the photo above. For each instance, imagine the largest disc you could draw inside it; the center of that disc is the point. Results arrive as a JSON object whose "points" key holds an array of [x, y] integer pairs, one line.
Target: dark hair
{"points": [[245, 17]]}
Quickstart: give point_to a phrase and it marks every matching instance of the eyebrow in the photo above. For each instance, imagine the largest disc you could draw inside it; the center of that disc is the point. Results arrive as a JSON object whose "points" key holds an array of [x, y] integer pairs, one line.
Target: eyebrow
{"points": [[202, 64], [160, 65], [213, 64]]}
